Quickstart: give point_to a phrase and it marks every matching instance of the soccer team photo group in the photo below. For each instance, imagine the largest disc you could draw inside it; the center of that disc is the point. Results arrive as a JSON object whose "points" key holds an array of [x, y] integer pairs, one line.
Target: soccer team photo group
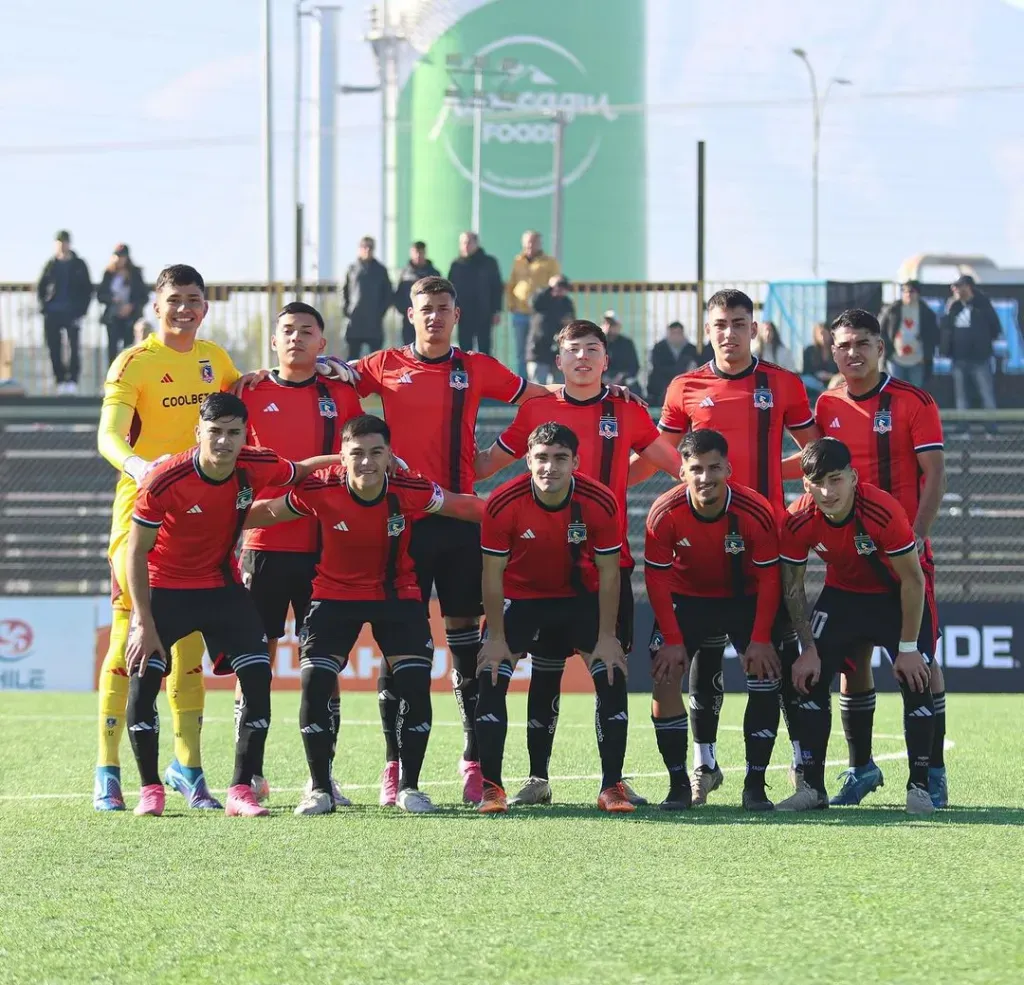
{"points": [[272, 492]]}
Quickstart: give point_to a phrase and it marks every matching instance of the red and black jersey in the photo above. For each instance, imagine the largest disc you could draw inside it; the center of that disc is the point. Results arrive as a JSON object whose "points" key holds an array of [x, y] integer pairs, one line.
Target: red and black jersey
{"points": [[431, 406], [609, 428], [551, 549], [200, 518], [298, 421], [734, 554], [855, 550], [365, 543], [885, 430], [752, 409]]}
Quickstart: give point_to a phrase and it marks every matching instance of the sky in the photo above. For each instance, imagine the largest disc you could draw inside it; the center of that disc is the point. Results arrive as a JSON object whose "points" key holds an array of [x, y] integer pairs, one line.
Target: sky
{"points": [[134, 122]]}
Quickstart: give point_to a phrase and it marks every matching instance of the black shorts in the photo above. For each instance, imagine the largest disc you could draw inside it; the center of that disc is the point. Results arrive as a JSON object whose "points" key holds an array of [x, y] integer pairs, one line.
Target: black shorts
{"points": [[550, 645], [331, 629], [447, 556], [700, 619], [842, 622], [226, 617], [567, 624], [276, 580]]}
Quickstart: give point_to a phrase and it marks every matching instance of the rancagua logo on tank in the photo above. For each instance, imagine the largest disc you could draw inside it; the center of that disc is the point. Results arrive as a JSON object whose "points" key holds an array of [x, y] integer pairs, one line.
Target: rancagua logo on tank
{"points": [[517, 152], [16, 639]]}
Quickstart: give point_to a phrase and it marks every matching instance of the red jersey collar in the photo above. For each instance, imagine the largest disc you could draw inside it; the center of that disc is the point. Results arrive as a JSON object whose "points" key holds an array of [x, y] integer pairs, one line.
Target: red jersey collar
{"points": [[873, 392], [717, 516], [426, 359], [734, 376], [356, 498], [603, 395], [560, 506]]}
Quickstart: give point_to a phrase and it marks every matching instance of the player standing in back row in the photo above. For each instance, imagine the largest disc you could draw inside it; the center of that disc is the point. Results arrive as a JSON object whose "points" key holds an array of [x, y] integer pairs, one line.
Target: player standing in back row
{"points": [[894, 434], [610, 430], [298, 413], [752, 404], [431, 393]]}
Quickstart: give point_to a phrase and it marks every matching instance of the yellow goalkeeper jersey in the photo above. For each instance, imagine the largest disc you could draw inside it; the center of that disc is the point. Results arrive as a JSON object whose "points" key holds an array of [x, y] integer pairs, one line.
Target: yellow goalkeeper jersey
{"points": [[151, 404]]}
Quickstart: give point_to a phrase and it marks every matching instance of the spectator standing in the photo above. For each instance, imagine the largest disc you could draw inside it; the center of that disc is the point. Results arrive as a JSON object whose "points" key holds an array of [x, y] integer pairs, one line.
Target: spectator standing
{"points": [[769, 347], [124, 294], [64, 292], [417, 267], [552, 309], [911, 333], [532, 270], [477, 281], [970, 327], [366, 297], [623, 363], [819, 366], [670, 356]]}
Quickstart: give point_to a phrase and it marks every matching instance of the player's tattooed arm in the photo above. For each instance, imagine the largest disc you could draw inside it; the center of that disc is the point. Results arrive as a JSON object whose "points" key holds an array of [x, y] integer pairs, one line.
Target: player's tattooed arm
{"points": [[795, 595], [143, 640]]}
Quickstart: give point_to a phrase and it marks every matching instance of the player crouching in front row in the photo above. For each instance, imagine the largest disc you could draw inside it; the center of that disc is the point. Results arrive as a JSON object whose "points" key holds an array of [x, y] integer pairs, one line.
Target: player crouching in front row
{"points": [[874, 594], [365, 574], [551, 541], [183, 578]]}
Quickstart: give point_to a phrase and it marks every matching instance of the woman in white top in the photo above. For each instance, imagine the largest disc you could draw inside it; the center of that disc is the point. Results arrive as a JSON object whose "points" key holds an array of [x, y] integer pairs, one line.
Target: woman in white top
{"points": [[769, 347]]}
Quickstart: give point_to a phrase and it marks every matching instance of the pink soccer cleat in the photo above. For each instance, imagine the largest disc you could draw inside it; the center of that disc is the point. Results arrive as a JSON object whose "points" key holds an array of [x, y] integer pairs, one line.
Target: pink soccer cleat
{"points": [[472, 781], [242, 802], [152, 800], [389, 785]]}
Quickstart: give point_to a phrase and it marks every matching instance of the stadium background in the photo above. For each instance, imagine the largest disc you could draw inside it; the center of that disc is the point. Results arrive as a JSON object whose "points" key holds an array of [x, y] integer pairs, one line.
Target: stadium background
{"points": [[55, 492]]}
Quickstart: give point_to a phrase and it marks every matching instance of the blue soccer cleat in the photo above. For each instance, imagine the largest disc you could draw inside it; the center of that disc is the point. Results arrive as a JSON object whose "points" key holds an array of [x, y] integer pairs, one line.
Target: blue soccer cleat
{"points": [[938, 788], [858, 782], [190, 782], [106, 791]]}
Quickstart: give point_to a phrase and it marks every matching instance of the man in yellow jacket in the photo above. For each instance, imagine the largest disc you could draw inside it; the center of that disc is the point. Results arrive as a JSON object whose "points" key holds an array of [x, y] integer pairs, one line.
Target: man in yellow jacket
{"points": [[531, 271]]}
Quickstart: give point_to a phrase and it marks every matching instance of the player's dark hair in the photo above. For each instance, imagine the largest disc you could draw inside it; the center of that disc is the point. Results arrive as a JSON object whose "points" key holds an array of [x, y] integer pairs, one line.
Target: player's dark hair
{"points": [[858, 320], [179, 275], [218, 405], [553, 433], [703, 441], [434, 285], [580, 329], [731, 298], [363, 425], [301, 308], [824, 456]]}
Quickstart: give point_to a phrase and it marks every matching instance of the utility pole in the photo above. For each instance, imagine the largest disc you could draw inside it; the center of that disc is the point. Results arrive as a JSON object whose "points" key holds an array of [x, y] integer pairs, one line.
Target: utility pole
{"points": [[325, 139], [268, 181]]}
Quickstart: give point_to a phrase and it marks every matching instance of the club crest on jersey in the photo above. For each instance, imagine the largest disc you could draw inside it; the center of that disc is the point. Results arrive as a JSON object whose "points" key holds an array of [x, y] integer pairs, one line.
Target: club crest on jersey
{"points": [[206, 370], [734, 544], [608, 427], [458, 379], [244, 499], [763, 399], [577, 533], [883, 422], [396, 524], [328, 408], [864, 544]]}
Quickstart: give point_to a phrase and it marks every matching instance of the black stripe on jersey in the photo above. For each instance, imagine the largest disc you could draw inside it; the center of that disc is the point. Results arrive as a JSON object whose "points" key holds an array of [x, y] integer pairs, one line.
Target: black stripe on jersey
{"points": [[505, 448], [668, 430], [493, 552], [391, 565], [883, 443], [576, 550], [250, 454], [291, 505], [608, 443], [585, 482], [607, 503], [736, 560], [800, 519], [934, 446], [455, 435], [662, 507], [496, 504], [171, 476], [523, 384], [763, 516], [654, 564], [903, 550], [226, 566], [901, 386], [873, 511], [764, 433], [409, 482], [876, 564]]}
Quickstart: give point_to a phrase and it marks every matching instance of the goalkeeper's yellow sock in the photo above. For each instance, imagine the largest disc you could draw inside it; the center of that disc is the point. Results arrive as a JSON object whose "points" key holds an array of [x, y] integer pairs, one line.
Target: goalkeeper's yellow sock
{"points": [[186, 693], [113, 687]]}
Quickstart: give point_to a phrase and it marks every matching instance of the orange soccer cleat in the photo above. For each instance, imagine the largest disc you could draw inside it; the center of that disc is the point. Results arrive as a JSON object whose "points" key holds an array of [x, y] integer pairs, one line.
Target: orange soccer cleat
{"points": [[494, 800], [615, 800]]}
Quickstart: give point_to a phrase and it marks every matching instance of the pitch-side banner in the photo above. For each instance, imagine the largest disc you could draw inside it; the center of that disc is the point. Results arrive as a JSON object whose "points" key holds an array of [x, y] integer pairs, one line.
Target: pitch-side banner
{"points": [[981, 650]]}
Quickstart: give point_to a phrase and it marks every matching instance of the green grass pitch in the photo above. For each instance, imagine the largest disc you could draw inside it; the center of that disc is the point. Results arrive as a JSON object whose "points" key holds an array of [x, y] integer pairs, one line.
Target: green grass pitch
{"points": [[547, 895]]}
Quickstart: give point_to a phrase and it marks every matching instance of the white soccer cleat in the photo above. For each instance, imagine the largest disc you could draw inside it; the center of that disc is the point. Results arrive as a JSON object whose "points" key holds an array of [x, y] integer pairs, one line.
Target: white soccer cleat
{"points": [[315, 802], [340, 800], [536, 790], [414, 802]]}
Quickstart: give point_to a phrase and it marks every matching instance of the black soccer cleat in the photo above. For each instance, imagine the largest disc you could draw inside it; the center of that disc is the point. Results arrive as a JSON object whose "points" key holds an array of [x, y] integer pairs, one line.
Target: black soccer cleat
{"points": [[679, 799], [756, 800]]}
